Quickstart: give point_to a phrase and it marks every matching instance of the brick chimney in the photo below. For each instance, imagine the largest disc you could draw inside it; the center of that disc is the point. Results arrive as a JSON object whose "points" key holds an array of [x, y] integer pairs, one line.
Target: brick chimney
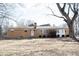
{"points": [[35, 25]]}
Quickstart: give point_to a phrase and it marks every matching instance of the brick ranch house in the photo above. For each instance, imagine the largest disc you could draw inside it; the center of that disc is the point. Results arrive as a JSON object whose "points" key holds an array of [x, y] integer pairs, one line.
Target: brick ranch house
{"points": [[40, 31]]}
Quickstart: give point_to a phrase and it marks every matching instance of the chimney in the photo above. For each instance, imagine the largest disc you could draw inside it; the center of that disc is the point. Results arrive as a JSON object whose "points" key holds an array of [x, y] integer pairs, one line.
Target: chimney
{"points": [[35, 25]]}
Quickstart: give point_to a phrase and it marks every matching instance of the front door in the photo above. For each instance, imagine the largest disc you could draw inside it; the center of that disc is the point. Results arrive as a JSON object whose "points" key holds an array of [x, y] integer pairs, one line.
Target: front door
{"points": [[32, 33]]}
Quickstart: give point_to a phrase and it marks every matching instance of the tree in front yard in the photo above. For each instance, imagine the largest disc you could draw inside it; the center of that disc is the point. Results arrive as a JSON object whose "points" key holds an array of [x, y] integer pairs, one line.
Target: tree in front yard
{"points": [[69, 13]]}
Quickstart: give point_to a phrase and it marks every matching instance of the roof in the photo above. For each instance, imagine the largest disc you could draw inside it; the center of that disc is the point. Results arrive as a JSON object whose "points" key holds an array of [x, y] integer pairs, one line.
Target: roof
{"points": [[45, 25], [42, 27], [32, 27]]}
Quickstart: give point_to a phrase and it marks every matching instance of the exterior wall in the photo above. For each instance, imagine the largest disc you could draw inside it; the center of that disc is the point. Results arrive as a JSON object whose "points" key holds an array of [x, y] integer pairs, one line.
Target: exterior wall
{"points": [[37, 33], [16, 33], [57, 32], [66, 31], [60, 32], [51, 33], [20, 32], [44, 32]]}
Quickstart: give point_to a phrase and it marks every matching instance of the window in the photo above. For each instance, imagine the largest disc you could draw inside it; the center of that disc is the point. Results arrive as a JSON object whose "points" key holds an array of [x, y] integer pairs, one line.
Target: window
{"points": [[62, 30], [33, 30], [5, 33], [12, 30], [62, 35], [65, 31], [67, 35], [25, 31], [57, 35], [39, 36]]}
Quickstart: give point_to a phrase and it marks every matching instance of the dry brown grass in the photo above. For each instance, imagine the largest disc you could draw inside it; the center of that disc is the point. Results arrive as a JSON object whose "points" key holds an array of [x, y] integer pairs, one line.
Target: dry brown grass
{"points": [[37, 47]]}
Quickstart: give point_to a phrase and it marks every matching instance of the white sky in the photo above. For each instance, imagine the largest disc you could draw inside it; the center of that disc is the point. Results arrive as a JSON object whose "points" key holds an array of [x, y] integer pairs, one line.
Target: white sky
{"points": [[39, 13], [36, 10], [36, 1]]}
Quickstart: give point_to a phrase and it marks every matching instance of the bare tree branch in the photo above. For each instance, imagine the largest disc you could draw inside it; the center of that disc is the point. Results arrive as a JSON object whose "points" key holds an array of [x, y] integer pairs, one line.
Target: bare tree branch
{"points": [[75, 16], [74, 7], [71, 7], [9, 18], [64, 6], [54, 14], [62, 12], [77, 7], [68, 10]]}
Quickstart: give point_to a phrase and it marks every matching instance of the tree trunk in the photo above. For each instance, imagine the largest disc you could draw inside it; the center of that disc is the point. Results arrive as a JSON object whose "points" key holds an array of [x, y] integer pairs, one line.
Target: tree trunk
{"points": [[0, 32], [71, 32]]}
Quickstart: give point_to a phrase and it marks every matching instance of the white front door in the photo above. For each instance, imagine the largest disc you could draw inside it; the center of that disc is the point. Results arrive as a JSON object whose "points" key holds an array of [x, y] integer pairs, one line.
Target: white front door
{"points": [[32, 33]]}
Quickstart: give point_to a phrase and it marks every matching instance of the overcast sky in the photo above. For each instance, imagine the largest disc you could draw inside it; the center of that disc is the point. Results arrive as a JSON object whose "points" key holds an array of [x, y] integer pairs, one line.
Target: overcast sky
{"points": [[38, 12]]}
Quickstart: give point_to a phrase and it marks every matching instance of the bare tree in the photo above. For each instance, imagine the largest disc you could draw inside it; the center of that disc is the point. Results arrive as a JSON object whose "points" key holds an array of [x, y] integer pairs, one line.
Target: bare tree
{"points": [[66, 9], [5, 15], [76, 26]]}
